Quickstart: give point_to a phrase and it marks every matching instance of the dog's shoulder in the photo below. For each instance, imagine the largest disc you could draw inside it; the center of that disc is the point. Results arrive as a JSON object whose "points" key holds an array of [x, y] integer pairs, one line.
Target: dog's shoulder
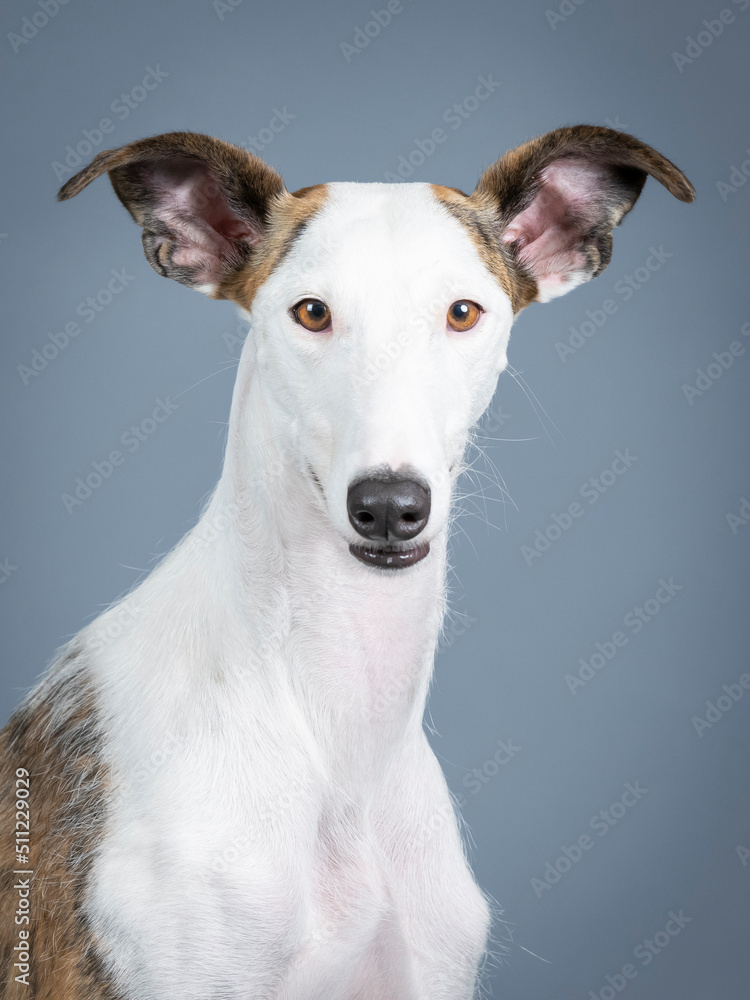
{"points": [[52, 809]]}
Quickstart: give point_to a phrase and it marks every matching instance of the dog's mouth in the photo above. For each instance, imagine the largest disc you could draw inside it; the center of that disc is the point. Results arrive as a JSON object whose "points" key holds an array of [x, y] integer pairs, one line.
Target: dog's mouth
{"points": [[390, 556]]}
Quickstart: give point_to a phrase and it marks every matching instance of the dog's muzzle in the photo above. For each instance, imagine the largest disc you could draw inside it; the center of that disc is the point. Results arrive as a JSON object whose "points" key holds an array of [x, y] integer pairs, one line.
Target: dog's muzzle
{"points": [[388, 511]]}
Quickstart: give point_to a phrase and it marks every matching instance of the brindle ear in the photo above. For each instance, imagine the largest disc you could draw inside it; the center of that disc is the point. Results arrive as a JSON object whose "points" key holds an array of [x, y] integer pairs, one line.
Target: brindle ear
{"points": [[203, 204], [558, 198]]}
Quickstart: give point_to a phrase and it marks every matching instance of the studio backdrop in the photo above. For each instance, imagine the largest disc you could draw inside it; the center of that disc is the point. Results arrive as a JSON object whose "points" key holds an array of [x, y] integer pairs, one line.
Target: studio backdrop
{"points": [[591, 697]]}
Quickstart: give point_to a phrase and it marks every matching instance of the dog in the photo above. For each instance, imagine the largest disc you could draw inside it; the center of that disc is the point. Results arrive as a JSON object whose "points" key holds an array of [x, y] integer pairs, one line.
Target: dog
{"points": [[222, 787]]}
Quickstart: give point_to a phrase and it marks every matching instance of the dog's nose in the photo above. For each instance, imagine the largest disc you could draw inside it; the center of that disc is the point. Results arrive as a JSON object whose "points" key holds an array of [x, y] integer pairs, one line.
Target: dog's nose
{"points": [[387, 509]]}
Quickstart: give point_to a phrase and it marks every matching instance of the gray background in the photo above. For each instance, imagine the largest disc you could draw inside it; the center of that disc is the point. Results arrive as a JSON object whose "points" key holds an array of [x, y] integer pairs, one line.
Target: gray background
{"points": [[518, 629]]}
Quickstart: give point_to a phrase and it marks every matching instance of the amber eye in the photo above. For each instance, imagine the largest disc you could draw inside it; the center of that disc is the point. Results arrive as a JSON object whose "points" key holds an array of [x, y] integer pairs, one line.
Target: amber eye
{"points": [[463, 315], [313, 314]]}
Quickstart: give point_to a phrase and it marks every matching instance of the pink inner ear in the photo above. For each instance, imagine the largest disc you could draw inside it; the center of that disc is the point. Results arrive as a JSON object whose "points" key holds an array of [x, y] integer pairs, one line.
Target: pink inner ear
{"points": [[549, 233], [207, 231]]}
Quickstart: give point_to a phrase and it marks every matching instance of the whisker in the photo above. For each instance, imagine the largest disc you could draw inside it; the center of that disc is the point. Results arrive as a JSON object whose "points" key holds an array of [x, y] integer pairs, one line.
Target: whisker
{"points": [[228, 367]]}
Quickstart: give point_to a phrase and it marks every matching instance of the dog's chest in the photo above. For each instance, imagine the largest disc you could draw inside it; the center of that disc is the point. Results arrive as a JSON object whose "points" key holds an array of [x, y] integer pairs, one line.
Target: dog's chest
{"points": [[284, 900], [349, 905]]}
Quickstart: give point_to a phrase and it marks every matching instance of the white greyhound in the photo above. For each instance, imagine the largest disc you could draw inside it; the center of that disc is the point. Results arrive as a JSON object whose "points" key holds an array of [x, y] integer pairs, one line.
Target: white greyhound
{"points": [[231, 792]]}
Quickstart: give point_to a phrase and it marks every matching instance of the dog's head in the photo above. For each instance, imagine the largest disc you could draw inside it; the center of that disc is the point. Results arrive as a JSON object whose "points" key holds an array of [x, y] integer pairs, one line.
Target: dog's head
{"points": [[380, 313]]}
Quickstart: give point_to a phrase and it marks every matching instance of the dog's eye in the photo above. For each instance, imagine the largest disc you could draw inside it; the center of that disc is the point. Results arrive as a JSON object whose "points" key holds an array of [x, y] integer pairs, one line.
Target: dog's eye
{"points": [[313, 314], [463, 315]]}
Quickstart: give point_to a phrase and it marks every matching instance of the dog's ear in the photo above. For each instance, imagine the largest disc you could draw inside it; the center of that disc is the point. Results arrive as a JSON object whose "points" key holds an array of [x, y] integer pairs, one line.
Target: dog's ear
{"points": [[203, 204], [558, 198]]}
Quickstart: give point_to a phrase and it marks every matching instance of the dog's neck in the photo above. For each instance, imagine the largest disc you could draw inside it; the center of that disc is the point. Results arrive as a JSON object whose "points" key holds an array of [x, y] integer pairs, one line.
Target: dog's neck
{"points": [[356, 643]]}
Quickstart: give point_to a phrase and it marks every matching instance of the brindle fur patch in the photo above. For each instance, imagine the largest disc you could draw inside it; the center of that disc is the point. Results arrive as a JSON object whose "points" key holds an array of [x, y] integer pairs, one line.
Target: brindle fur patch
{"points": [[481, 223], [247, 185], [54, 735], [253, 191], [287, 218], [509, 186]]}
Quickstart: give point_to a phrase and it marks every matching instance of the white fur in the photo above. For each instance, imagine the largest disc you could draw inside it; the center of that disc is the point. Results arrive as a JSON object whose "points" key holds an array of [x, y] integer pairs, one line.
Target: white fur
{"points": [[282, 828]]}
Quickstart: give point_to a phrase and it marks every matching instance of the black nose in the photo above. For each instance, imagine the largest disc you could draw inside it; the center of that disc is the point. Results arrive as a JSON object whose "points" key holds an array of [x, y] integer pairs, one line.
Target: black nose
{"points": [[388, 508]]}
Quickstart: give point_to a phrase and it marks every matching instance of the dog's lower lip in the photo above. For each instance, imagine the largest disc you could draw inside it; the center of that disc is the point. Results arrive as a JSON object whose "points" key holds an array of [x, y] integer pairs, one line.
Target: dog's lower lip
{"points": [[389, 556]]}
